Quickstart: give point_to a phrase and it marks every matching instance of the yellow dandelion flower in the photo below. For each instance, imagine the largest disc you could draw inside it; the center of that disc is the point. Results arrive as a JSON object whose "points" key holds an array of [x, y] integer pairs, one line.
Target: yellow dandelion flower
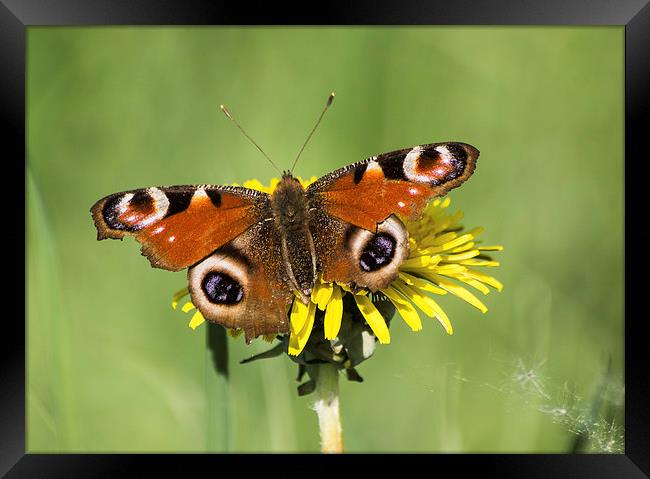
{"points": [[444, 258]]}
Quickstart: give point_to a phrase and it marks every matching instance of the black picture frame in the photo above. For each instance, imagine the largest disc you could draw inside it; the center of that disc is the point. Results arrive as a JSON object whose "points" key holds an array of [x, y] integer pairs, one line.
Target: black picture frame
{"points": [[17, 15]]}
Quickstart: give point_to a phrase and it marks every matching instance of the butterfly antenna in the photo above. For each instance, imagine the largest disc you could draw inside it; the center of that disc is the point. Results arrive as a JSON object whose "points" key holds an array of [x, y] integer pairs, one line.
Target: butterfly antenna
{"points": [[330, 99], [227, 113]]}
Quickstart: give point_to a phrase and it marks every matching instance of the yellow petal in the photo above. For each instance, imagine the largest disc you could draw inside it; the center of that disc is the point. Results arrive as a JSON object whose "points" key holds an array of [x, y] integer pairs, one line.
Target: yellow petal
{"points": [[474, 283], [373, 317], [461, 292], [299, 312], [306, 183], [416, 263], [489, 280], [480, 262], [491, 248], [420, 283], [438, 240], [464, 247], [314, 291], [333, 314], [448, 269], [321, 294], [448, 245], [449, 258], [255, 185], [434, 258], [404, 308], [415, 296], [196, 320], [298, 340], [426, 304], [442, 318], [187, 307], [178, 295]]}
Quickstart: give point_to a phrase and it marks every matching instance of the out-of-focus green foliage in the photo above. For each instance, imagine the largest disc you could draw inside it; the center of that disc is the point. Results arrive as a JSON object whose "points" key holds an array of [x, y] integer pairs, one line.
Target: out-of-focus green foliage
{"points": [[111, 367]]}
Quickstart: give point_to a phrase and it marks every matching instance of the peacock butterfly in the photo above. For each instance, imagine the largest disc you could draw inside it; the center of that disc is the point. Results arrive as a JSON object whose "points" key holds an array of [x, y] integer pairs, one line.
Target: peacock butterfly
{"points": [[249, 253]]}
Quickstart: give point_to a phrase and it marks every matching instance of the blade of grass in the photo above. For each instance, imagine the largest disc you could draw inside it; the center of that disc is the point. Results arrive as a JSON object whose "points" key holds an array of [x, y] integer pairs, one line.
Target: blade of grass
{"points": [[216, 383], [49, 401]]}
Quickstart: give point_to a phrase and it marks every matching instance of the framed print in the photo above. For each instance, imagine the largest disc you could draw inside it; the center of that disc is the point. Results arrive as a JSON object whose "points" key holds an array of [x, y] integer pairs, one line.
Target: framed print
{"points": [[380, 231]]}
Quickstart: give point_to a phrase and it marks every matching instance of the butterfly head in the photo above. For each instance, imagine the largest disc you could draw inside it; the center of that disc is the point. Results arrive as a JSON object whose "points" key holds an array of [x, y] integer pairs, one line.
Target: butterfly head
{"points": [[288, 175], [289, 202]]}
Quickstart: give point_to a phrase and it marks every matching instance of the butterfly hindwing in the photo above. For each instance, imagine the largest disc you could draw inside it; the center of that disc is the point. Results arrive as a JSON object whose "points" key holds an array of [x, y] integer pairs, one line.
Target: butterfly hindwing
{"points": [[241, 285], [357, 257], [400, 182], [179, 225]]}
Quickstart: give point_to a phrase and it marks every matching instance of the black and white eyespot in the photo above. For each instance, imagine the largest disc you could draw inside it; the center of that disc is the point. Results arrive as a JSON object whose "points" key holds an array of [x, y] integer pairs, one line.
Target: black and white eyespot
{"points": [[379, 255], [435, 165], [219, 285], [136, 210]]}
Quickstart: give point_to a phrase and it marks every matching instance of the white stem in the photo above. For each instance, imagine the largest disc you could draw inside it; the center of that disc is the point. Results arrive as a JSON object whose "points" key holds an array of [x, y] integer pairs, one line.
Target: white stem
{"points": [[327, 408]]}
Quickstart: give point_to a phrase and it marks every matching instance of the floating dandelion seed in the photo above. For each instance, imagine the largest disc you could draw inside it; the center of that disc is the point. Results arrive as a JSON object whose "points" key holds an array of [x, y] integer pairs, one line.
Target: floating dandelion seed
{"points": [[529, 379], [595, 423]]}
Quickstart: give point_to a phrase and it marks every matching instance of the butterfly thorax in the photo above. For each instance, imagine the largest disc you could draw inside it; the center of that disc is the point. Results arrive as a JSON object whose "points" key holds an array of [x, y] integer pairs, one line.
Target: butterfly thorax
{"points": [[289, 203], [291, 217]]}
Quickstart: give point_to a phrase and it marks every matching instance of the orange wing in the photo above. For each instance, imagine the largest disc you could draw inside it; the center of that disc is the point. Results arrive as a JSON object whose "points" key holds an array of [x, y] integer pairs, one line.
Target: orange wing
{"points": [[179, 225], [401, 182]]}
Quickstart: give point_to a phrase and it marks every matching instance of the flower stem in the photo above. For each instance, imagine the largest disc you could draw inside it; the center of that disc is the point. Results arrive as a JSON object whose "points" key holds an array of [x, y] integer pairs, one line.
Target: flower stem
{"points": [[327, 407], [216, 381]]}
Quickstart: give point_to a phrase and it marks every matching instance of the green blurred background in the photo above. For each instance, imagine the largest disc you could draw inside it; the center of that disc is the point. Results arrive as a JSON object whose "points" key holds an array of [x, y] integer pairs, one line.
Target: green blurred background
{"points": [[111, 367]]}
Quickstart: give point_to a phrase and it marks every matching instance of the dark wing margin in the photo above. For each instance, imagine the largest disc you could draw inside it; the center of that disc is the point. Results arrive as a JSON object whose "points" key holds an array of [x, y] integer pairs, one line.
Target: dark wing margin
{"points": [[179, 225]]}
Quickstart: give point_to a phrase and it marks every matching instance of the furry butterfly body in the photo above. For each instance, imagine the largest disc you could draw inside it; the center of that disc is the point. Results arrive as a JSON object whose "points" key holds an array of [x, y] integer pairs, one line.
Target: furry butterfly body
{"points": [[249, 254]]}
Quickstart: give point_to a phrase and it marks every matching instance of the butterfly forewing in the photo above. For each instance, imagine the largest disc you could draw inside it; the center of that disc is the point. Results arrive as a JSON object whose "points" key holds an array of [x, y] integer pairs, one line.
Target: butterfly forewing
{"points": [[400, 182], [179, 225]]}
